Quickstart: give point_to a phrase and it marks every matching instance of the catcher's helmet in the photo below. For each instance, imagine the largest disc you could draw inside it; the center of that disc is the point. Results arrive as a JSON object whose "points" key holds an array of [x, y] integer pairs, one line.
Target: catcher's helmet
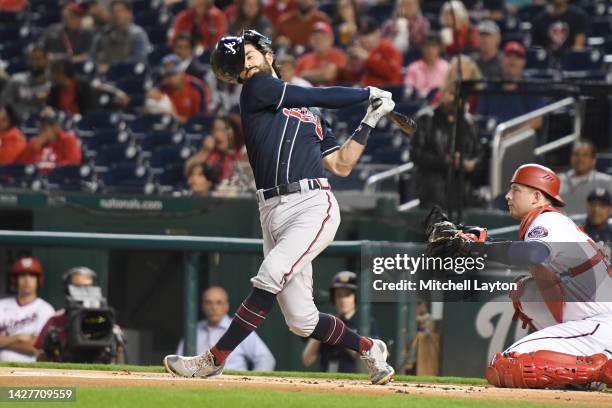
{"points": [[227, 59], [28, 264], [541, 178], [344, 279]]}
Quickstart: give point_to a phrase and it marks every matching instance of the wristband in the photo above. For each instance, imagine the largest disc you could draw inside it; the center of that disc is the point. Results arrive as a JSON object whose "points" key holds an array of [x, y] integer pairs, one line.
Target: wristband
{"points": [[361, 134]]}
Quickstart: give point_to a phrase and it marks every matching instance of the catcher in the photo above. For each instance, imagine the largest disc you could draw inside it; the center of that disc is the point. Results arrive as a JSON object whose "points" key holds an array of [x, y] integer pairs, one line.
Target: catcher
{"points": [[566, 298]]}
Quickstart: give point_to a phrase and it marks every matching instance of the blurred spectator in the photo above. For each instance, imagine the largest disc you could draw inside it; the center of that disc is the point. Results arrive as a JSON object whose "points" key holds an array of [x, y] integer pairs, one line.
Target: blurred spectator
{"points": [[183, 47], [23, 316], [187, 93], [98, 14], [70, 94], [489, 58], [346, 20], [424, 349], [322, 65], [121, 41], [250, 15], [469, 72], [561, 27], [457, 31], [336, 359], [205, 22], [251, 354], [513, 6], [28, 91], [427, 73], [12, 6], [12, 141], [295, 27], [286, 63], [216, 158], [432, 157], [509, 106], [373, 60], [598, 209], [276, 8], [53, 146], [407, 27], [68, 38], [578, 182]]}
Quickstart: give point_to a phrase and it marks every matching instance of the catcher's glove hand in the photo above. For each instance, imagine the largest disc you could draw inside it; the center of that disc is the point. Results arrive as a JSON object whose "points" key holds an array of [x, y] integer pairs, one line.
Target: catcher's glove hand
{"points": [[446, 239]]}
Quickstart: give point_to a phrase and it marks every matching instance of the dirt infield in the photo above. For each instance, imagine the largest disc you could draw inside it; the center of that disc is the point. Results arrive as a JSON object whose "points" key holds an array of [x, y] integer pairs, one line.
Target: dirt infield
{"points": [[24, 377]]}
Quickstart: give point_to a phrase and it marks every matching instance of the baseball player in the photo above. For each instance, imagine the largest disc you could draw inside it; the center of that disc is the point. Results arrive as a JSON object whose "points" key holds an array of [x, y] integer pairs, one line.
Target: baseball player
{"points": [[23, 316], [289, 146], [567, 298]]}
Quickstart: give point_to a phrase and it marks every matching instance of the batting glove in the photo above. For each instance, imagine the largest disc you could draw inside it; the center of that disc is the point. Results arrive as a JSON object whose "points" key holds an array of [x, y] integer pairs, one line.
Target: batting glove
{"points": [[372, 115], [379, 93]]}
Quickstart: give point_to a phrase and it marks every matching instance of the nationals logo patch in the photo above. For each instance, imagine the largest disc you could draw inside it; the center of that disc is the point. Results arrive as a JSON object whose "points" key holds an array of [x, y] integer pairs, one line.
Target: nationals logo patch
{"points": [[538, 232]]}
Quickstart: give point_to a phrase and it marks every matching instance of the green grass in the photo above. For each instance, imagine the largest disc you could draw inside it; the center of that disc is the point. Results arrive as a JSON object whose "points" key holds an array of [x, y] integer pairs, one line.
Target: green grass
{"points": [[292, 374], [192, 398]]}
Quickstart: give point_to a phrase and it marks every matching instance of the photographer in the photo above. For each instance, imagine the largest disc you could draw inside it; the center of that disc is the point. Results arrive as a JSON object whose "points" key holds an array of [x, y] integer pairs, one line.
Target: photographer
{"points": [[84, 331]]}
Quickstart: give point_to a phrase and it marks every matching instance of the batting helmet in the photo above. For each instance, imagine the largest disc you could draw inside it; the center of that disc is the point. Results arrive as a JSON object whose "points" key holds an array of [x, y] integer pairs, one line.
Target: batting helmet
{"points": [[344, 279], [28, 264], [227, 59], [541, 178]]}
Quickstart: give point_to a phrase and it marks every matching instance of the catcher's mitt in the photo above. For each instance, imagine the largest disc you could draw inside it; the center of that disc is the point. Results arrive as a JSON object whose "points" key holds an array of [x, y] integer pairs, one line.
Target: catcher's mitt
{"points": [[445, 238]]}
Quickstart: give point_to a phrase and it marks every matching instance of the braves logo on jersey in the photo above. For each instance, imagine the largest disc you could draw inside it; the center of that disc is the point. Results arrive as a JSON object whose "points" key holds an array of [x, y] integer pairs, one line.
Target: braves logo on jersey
{"points": [[305, 115]]}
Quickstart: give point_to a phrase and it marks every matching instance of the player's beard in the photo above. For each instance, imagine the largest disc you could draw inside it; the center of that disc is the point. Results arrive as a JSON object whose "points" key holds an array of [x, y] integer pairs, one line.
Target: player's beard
{"points": [[263, 68]]}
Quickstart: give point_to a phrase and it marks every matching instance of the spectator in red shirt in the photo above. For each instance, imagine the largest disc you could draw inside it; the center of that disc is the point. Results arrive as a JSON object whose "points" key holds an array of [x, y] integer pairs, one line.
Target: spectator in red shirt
{"points": [[295, 27], [458, 33], [276, 8], [373, 60], [12, 141], [12, 6], [215, 160], [187, 94], [322, 65], [203, 20], [53, 146]]}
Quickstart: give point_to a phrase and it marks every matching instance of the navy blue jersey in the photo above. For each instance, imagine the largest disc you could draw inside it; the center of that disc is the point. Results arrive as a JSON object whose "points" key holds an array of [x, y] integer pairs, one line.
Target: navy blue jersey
{"points": [[286, 140]]}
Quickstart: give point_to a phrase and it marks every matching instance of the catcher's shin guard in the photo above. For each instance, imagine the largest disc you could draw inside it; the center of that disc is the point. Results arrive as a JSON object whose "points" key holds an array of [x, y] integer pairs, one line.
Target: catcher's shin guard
{"points": [[548, 369]]}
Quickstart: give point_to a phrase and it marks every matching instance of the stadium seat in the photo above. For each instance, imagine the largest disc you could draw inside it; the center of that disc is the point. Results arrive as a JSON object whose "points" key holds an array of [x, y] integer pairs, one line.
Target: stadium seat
{"points": [[604, 163], [537, 58], [125, 71], [159, 52], [178, 7], [17, 175], [105, 137], [97, 120], [85, 69], [166, 155], [116, 154], [601, 26], [381, 12], [155, 139], [171, 179], [127, 178], [149, 122], [199, 124], [158, 35], [582, 63], [72, 178], [530, 12], [390, 156]]}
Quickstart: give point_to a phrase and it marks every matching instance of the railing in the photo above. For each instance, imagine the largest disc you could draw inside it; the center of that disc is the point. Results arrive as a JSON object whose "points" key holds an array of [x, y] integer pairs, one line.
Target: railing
{"points": [[370, 184], [500, 144]]}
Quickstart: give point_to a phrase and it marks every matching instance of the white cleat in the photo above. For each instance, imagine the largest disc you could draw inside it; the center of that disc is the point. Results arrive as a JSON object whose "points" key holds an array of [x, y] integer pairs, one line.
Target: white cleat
{"points": [[376, 360], [202, 365]]}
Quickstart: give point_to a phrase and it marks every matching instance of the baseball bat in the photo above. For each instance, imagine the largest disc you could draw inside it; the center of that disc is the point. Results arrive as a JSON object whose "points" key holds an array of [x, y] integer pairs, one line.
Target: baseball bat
{"points": [[406, 124]]}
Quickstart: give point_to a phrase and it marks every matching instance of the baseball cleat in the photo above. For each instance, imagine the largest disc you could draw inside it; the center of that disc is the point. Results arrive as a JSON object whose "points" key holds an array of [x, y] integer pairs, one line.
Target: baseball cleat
{"points": [[376, 360], [202, 365]]}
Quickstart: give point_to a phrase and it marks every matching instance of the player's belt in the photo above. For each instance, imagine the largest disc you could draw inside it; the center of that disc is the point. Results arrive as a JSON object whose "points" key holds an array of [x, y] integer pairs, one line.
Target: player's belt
{"points": [[295, 187]]}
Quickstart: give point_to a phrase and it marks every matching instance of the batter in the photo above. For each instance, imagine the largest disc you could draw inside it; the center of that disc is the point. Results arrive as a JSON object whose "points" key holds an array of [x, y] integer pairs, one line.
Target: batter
{"points": [[289, 146]]}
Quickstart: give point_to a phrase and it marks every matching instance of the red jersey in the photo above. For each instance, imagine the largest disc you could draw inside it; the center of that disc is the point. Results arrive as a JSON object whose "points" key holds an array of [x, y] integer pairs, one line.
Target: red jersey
{"points": [[210, 28], [313, 60], [225, 162], [274, 10], [12, 143], [58, 321], [65, 150], [298, 28], [190, 100], [383, 67]]}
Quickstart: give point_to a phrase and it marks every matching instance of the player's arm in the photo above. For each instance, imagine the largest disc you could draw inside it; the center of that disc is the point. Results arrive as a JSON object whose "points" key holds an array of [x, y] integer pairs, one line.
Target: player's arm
{"points": [[310, 353], [342, 161], [6, 341], [23, 344]]}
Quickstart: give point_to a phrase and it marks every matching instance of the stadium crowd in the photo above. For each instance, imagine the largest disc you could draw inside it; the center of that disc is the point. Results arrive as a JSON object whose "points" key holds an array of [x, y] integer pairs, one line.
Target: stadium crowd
{"points": [[124, 89]]}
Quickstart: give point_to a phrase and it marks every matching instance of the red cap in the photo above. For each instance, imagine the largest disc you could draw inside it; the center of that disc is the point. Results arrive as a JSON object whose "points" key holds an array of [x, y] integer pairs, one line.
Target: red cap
{"points": [[75, 9], [27, 264], [514, 47], [322, 27]]}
